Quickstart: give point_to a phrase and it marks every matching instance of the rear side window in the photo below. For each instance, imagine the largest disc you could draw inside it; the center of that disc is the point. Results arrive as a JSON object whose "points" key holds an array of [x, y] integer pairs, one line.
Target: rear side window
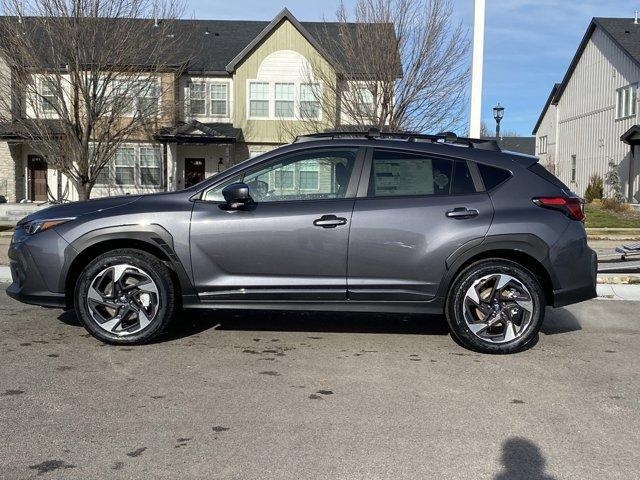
{"points": [[492, 176], [406, 174], [548, 176]]}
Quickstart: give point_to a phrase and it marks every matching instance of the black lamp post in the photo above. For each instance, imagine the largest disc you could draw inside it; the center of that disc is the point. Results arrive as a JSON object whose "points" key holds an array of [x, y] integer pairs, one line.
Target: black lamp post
{"points": [[498, 113]]}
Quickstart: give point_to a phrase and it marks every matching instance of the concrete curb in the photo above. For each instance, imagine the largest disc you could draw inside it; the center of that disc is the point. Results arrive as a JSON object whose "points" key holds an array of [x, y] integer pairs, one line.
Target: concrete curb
{"points": [[5, 274], [606, 291]]}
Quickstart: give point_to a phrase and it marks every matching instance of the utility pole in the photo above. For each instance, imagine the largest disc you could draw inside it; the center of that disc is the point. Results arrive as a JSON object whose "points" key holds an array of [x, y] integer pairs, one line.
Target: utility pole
{"points": [[476, 69]]}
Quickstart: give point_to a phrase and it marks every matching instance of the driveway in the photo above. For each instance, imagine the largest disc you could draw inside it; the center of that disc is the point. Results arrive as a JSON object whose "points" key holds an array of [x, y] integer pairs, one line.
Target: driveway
{"points": [[305, 396]]}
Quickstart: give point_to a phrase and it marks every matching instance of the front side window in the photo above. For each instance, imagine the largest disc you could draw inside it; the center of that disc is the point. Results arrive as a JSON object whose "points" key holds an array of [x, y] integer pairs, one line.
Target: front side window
{"points": [[406, 174], [626, 99], [219, 99], [197, 99], [284, 100], [125, 161], [150, 166], [315, 175], [259, 99]]}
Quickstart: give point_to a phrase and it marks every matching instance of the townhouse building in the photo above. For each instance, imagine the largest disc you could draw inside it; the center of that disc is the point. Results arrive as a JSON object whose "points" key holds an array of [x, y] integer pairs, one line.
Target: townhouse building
{"points": [[242, 85]]}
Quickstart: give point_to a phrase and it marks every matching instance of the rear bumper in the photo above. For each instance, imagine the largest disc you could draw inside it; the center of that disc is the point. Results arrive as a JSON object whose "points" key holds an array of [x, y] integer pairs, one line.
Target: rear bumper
{"points": [[584, 291]]}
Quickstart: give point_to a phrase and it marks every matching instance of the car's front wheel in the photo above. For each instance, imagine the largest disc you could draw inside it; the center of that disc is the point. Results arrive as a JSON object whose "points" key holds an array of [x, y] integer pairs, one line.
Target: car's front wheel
{"points": [[495, 306], [125, 296]]}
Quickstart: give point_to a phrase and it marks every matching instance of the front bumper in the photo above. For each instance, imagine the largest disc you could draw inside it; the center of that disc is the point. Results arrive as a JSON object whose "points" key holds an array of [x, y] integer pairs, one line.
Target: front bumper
{"points": [[29, 284], [581, 291]]}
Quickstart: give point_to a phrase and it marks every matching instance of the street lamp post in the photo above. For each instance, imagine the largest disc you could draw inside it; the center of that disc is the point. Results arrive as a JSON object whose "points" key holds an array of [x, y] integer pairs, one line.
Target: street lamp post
{"points": [[498, 113]]}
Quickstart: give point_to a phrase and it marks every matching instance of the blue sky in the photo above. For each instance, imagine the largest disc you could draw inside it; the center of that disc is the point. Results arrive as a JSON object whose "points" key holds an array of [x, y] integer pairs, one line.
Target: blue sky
{"points": [[528, 43]]}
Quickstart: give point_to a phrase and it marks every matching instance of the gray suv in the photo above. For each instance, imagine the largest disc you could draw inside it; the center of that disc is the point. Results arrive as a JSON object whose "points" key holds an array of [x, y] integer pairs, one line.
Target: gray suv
{"points": [[333, 222]]}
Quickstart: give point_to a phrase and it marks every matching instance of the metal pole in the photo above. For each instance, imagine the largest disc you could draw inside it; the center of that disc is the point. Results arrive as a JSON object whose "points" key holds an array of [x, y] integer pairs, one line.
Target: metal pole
{"points": [[476, 69], [497, 129]]}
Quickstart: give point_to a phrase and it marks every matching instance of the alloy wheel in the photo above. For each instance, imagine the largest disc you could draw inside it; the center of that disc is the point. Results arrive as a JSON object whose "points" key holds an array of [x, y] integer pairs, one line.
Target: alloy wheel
{"points": [[498, 308], [123, 299]]}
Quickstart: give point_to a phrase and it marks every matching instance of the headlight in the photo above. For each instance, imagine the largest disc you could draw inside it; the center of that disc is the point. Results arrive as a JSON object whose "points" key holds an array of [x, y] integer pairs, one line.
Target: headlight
{"points": [[37, 226]]}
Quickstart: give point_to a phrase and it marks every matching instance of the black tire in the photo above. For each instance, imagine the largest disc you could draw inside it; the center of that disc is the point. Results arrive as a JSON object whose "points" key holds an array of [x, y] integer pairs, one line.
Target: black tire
{"points": [[454, 308], [150, 265]]}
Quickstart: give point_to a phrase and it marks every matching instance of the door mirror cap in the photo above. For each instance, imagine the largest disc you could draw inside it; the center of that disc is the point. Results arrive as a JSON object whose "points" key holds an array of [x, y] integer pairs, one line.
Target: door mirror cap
{"points": [[236, 195]]}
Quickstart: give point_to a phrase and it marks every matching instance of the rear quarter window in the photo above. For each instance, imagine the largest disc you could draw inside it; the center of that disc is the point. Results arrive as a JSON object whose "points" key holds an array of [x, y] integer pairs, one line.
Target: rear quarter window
{"points": [[493, 176], [548, 176]]}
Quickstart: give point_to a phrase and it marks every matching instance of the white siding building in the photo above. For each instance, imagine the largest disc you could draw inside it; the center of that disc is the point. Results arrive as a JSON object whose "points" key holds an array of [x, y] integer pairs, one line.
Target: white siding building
{"points": [[591, 118]]}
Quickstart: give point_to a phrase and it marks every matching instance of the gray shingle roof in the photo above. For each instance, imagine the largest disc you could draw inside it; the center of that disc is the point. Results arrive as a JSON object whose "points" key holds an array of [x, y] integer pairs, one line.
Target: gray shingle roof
{"points": [[210, 45]]}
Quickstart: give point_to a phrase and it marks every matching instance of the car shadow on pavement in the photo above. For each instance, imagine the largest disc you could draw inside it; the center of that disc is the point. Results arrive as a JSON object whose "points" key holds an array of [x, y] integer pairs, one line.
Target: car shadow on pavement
{"points": [[190, 322], [522, 460], [559, 320]]}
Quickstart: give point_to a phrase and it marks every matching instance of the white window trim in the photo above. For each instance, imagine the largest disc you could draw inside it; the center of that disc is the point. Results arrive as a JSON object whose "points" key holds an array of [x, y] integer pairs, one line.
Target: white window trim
{"points": [[205, 99], [226, 85], [137, 177], [272, 100], [629, 106], [542, 147]]}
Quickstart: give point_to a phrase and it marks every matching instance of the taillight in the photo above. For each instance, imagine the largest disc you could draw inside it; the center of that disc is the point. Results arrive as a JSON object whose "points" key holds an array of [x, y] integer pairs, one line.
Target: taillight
{"points": [[572, 207]]}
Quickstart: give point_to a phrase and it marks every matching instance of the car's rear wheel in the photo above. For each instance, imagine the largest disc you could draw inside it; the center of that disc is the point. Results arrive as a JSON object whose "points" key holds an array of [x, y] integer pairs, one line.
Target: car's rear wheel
{"points": [[125, 296], [495, 306]]}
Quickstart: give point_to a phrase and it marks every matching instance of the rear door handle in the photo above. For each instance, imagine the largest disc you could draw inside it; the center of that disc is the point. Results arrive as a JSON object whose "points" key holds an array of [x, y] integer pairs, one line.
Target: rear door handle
{"points": [[462, 213], [329, 221]]}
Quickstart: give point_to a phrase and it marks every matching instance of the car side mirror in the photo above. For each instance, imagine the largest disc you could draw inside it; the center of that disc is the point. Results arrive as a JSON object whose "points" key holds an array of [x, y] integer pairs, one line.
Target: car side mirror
{"points": [[236, 195]]}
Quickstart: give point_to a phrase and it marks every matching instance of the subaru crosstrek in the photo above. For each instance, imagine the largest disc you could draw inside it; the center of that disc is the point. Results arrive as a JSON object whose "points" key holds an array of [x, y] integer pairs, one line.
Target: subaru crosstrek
{"points": [[333, 222]]}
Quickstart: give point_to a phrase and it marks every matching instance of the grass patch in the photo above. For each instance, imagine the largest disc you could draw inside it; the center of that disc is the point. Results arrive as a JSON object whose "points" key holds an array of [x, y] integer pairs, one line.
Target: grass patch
{"points": [[597, 217]]}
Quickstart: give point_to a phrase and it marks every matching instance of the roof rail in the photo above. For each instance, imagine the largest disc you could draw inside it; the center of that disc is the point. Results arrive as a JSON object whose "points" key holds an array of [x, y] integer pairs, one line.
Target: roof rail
{"points": [[374, 133]]}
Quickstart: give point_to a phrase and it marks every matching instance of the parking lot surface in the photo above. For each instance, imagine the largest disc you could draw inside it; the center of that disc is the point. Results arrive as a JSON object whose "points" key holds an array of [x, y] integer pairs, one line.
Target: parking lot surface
{"points": [[236, 395]]}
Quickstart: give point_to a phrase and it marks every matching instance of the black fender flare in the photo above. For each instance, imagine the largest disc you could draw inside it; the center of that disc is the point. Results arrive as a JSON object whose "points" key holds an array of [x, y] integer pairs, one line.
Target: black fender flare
{"points": [[526, 243], [153, 234]]}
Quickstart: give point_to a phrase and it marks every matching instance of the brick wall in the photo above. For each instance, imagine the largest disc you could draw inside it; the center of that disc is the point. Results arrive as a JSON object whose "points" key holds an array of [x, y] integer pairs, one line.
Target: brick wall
{"points": [[11, 181]]}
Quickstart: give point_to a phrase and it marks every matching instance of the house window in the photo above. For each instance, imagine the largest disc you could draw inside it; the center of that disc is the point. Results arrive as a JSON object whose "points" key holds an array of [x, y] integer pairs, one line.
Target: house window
{"points": [[259, 99], [573, 168], [48, 98], [198, 99], [150, 165], [309, 101], [626, 99], [123, 99], [542, 147], [125, 165], [284, 100], [148, 101], [219, 94], [364, 102], [283, 179], [309, 180]]}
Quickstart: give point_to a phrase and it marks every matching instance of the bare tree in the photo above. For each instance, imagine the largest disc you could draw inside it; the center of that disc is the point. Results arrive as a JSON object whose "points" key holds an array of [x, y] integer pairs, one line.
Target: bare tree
{"points": [[85, 76], [399, 65]]}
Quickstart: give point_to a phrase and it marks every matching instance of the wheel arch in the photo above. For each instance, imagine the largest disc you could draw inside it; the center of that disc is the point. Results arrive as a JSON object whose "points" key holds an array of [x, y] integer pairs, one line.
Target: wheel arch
{"points": [[526, 250], [152, 239]]}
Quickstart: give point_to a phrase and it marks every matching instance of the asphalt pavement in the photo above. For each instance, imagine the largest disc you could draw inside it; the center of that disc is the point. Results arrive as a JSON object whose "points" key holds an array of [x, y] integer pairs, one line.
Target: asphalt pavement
{"points": [[237, 395]]}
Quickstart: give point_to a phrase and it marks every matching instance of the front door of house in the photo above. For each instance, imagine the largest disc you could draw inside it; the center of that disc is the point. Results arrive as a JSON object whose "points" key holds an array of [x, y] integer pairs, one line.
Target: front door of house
{"points": [[37, 178], [193, 171]]}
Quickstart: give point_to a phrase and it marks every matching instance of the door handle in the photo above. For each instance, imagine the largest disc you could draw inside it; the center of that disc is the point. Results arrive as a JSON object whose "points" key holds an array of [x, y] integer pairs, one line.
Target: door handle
{"points": [[329, 221], [462, 213]]}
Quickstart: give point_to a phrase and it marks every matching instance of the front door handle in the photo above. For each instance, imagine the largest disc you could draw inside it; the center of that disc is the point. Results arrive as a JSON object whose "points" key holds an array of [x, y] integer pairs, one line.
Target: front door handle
{"points": [[462, 213], [329, 221]]}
